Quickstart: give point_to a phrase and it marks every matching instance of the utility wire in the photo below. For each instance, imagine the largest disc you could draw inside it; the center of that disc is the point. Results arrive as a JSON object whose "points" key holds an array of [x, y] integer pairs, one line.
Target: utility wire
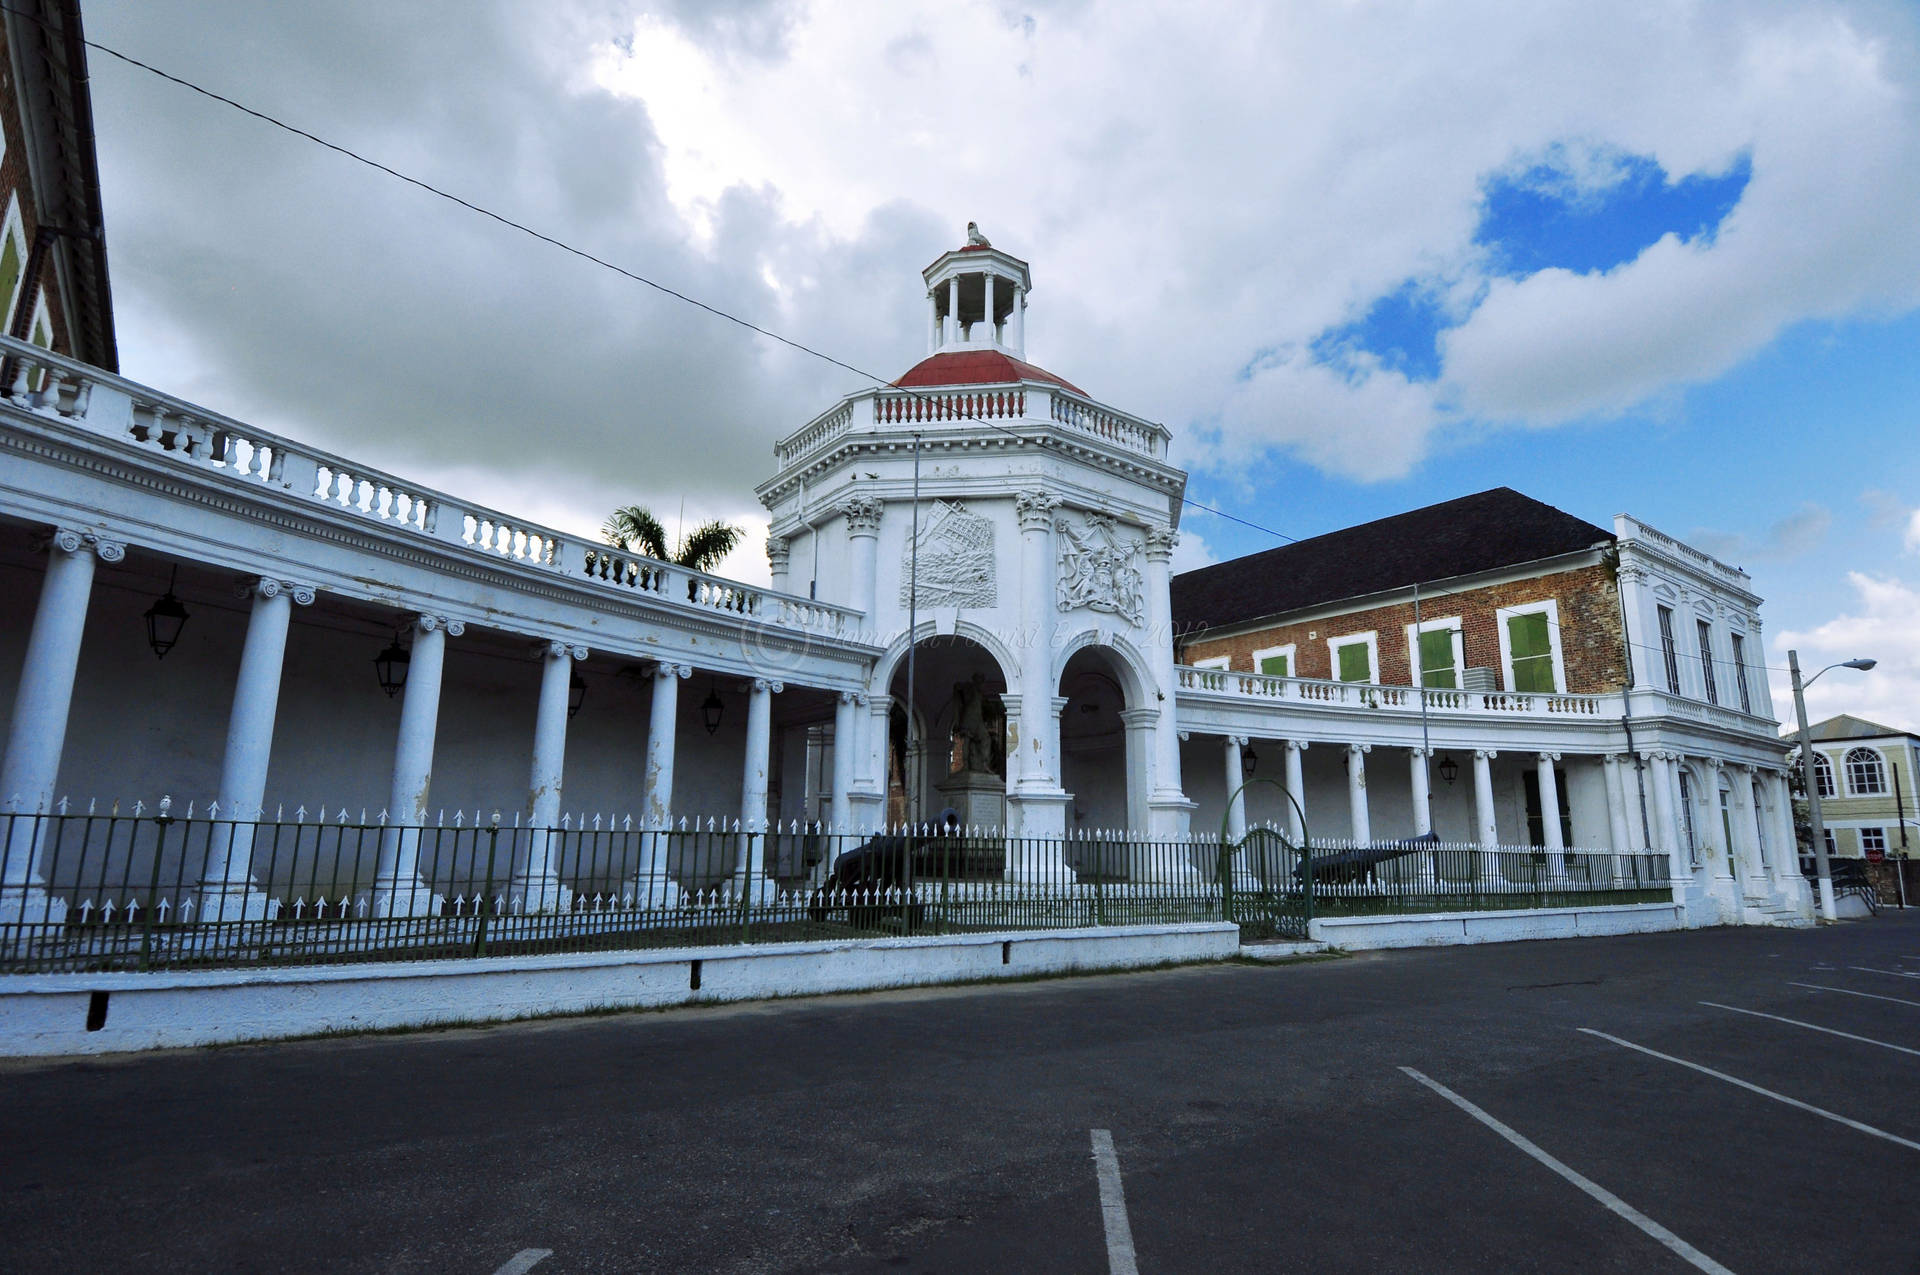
{"points": [[636, 277], [584, 255]]}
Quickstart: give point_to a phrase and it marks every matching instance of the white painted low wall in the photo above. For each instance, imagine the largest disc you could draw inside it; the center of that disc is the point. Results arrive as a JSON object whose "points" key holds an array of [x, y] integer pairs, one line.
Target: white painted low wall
{"points": [[46, 1014], [1434, 929]]}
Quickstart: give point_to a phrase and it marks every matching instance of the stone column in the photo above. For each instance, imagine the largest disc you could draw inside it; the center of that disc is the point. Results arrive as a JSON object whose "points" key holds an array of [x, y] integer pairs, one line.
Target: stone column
{"points": [[871, 724], [1745, 818], [1417, 760], [863, 554], [846, 734], [1555, 840], [653, 884], [1170, 810], [986, 291], [1296, 788], [397, 887], [1038, 804], [779, 558], [1619, 824], [1357, 792], [1018, 321], [535, 885], [1236, 790], [38, 732], [1665, 802], [226, 891], [953, 309], [750, 879], [1719, 826], [1141, 725], [1485, 822]]}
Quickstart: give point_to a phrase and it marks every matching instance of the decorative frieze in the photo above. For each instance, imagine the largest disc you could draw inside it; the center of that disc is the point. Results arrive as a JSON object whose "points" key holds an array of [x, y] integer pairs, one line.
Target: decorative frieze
{"points": [[1099, 569], [955, 566]]}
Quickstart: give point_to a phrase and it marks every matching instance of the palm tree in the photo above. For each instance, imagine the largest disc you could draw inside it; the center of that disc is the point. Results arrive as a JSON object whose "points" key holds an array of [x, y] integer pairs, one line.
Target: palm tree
{"points": [[634, 529]]}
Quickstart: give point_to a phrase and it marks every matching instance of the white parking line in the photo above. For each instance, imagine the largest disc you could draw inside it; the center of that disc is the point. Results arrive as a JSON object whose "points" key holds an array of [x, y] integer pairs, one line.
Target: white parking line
{"points": [[1592, 1188], [1113, 1206], [1896, 973], [1753, 1088], [1813, 1027], [1847, 991], [525, 1260]]}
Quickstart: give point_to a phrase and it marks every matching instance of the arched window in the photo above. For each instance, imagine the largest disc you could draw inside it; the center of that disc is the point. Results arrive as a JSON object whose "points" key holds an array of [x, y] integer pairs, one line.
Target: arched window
{"points": [[1866, 773], [1823, 775]]}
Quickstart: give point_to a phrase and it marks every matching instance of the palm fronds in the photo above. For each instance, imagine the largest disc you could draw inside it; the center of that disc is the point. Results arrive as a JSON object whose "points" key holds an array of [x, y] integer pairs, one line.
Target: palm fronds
{"points": [[633, 528]]}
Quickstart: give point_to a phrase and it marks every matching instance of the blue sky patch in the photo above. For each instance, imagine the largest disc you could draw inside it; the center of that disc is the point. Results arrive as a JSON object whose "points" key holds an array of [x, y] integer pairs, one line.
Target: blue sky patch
{"points": [[1545, 215], [1401, 329]]}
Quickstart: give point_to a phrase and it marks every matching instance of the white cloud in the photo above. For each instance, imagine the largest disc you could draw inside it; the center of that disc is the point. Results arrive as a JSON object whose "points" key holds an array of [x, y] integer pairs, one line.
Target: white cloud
{"points": [[1202, 189], [1883, 625], [1912, 541]]}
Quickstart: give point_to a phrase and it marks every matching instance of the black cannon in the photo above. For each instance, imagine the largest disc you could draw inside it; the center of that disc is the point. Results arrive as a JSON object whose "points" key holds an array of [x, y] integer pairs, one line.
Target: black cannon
{"points": [[1349, 867]]}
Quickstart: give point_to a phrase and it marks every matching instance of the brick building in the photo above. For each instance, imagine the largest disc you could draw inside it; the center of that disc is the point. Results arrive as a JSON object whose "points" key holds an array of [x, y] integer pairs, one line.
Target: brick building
{"points": [[53, 254]]}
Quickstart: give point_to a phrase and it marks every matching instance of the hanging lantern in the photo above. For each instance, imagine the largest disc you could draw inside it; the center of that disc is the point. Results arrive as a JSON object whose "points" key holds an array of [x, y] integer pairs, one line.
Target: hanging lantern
{"points": [[1249, 760], [165, 618], [1449, 769], [711, 708], [390, 666], [576, 695]]}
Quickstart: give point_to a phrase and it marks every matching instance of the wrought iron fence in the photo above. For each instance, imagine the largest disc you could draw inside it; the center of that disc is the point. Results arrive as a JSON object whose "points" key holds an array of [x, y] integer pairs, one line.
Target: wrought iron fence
{"points": [[152, 890]]}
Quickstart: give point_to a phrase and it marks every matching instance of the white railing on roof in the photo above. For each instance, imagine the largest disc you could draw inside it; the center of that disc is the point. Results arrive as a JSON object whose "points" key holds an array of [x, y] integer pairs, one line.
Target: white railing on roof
{"points": [[1030, 401], [50, 385], [1309, 691]]}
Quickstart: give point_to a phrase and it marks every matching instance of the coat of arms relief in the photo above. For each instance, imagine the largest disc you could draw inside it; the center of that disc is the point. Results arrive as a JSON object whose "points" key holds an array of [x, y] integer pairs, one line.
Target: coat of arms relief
{"points": [[1099, 569], [955, 567]]}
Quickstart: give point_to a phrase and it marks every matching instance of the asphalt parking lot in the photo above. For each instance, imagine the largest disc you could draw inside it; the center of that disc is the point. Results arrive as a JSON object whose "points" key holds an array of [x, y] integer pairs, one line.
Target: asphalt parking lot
{"points": [[1738, 1100]]}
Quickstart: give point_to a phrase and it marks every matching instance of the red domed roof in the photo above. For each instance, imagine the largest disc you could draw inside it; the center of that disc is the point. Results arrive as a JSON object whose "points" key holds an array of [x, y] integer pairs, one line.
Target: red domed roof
{"points": [[977, 367]]}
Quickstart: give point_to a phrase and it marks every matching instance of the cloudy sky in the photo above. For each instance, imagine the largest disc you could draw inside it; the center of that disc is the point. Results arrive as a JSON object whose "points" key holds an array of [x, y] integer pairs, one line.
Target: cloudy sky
{"points": [[1654, 258]]}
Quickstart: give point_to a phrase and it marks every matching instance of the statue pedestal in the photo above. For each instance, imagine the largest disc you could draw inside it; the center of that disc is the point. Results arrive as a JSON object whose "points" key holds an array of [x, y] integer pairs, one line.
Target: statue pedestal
{"points": [[978, 796]]}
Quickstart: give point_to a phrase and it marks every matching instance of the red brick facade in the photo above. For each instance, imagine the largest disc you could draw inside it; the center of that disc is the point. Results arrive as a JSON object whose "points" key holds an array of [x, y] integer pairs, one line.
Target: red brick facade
{"points": [[15, 180], [1592, 647]]}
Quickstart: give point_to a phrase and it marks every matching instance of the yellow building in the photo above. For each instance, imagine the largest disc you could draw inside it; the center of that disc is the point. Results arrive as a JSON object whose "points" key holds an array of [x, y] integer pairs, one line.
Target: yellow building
{"points": [[1866, 777]]}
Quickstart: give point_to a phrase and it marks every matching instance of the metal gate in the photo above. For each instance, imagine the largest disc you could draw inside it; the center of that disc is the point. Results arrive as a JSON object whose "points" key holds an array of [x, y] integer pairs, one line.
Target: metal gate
{"points": [[1266, 885]]}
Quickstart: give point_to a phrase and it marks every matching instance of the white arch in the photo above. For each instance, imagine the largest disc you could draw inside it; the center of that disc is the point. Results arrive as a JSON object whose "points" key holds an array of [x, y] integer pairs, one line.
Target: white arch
{"points": [[889, 663], [1129, 662]]}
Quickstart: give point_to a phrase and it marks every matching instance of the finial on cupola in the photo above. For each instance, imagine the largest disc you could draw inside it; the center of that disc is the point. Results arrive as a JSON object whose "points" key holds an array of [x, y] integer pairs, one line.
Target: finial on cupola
{"points": [[974, 238]]}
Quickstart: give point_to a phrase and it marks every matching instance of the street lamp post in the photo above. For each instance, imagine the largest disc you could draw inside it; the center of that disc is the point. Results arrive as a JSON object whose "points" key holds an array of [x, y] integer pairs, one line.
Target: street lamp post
{"points": [[1827, 911]]}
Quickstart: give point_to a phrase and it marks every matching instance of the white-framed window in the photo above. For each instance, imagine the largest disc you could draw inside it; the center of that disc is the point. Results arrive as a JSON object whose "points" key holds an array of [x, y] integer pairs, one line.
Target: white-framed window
{"points": [[1707, 685], [13, 260], [1215, 662], [1740, 672], [1823, 775], [1436, 653], [1669, 654], [1873, 839], [1355, 657], [1276, 661], [1530, 647], [1866, 773]]}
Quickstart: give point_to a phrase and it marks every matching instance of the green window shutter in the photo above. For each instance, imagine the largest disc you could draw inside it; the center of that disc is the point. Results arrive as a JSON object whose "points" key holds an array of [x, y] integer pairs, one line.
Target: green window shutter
{"points": [[1353, 663], [1275, 666], [1436, 659], [1531, 649], [9, 270]]}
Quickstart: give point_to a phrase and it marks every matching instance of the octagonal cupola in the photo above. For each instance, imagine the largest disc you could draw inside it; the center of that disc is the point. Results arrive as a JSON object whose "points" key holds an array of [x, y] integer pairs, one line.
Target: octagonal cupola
{"points": [[977, 299]]}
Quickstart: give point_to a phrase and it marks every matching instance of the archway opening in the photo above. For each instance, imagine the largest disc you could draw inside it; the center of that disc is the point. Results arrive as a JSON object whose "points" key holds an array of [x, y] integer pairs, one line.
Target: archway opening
{"points": [[955, 756], [1098, 760]]}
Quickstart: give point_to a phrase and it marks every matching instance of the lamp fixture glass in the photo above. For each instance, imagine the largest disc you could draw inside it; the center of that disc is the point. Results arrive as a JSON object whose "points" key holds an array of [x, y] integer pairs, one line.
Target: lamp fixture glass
{"points": [[1249, 761], [711, 708], [390, 666], [576, 694], [165, 618], [1449, 769]]}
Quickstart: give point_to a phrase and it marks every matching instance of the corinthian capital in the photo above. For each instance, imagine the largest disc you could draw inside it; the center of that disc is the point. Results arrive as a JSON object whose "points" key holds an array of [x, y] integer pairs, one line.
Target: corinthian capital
{"points": [[1035, 509], [863, 514], [1161, 539]]}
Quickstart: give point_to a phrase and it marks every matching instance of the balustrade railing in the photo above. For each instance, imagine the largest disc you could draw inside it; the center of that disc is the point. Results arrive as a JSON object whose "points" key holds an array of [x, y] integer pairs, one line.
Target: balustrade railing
{"points": [[1118, 428], [1231, 684], [50, 385]]}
